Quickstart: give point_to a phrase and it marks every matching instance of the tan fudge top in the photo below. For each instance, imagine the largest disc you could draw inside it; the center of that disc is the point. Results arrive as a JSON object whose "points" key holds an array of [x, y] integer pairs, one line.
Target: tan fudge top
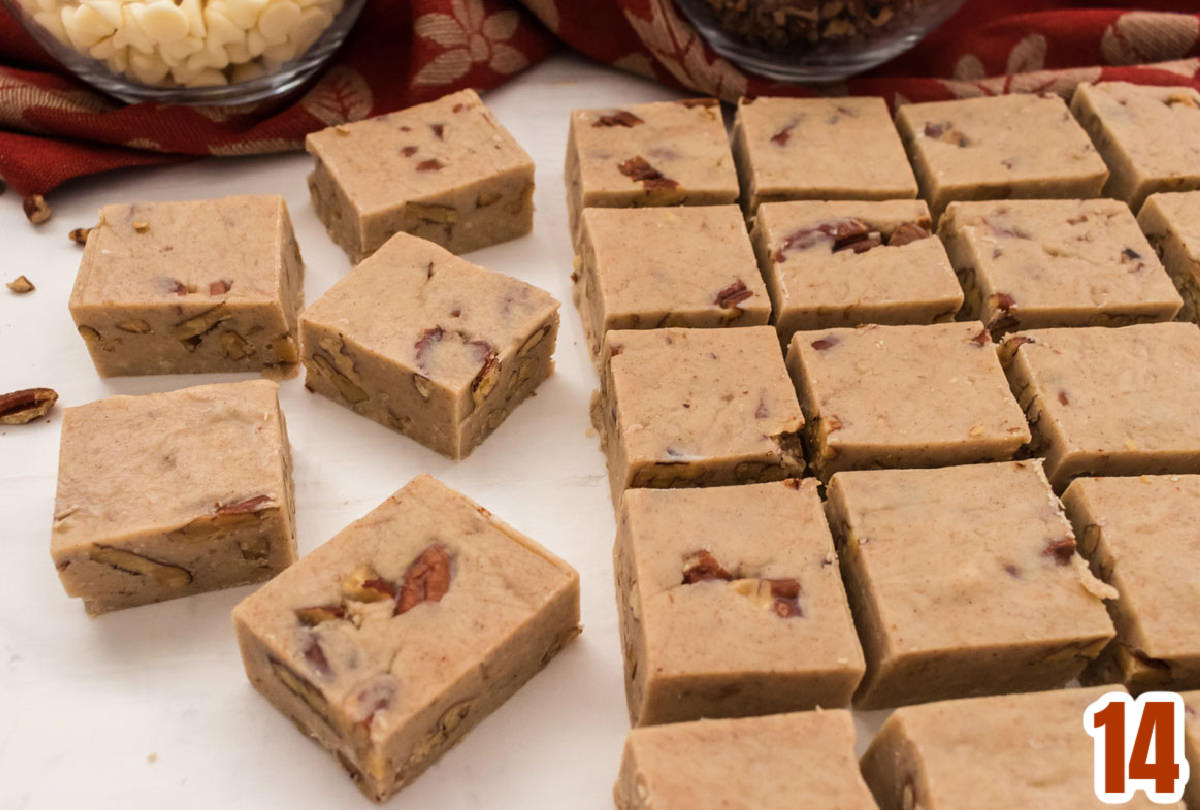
{"points": [[138, 464], [770, 598], [823, 148], [777, 762], [1180, 213], [424, 151], [422, 307], [416, 592]]}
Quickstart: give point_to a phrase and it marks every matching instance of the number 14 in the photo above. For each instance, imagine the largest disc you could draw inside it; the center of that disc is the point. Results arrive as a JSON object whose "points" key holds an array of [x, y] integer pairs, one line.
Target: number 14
{"points": [[1125, 731]]}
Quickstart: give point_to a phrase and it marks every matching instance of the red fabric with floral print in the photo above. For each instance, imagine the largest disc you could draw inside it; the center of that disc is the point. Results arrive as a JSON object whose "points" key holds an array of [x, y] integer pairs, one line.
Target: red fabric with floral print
{"points": [[54, 128]]}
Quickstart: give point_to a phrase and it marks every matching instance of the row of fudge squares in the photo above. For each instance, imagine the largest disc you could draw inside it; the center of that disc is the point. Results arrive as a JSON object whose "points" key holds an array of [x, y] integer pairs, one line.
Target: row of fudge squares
{"points": [[973, 754], [683, 407], [992, 147], [904, 586]]}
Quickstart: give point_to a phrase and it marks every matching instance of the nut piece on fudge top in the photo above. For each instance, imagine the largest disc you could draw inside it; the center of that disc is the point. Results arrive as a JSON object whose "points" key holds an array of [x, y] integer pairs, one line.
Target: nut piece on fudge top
{"points": [[138, 464], [422, 307], [425, 150]]}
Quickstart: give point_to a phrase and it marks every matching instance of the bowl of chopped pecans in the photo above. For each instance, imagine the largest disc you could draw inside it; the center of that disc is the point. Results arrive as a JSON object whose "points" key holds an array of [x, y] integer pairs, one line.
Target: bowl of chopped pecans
{"points": [[190, 51], [814, 40]]}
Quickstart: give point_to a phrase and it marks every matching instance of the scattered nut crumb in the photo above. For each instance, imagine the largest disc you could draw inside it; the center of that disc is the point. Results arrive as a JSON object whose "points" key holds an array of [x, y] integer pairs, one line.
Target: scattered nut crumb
{"points": [[21, 285], [19, 407], [141, 226], [79, 235], [152, 757], [37, 210]]}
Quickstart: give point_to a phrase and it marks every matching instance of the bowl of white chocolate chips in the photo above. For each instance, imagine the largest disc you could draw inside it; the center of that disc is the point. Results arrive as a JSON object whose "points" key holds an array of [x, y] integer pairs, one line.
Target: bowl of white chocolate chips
{"points": [[190, 51]]}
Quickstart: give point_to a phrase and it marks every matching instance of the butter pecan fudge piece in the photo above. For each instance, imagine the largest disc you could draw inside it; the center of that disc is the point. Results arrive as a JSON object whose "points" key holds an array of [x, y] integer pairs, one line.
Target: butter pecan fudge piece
{"points": [[429, 344], [654, 267], [446, 171], [1106, 401], [696, 407], [819, 149], [903, 396], [394, 639], [1191, 704], [779, 762], [964, 581], [190, 287], [996, 147], [1141, 535], [1027, 264], [846, 263], [731, 603], [662, 153], [982, 753], [167, 495], [1171, 223], [1148, 136]]}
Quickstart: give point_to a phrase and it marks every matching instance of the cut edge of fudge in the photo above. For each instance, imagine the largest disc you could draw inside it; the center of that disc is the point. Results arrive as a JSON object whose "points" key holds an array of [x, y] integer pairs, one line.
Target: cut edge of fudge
{"points": [[1160, 225]]}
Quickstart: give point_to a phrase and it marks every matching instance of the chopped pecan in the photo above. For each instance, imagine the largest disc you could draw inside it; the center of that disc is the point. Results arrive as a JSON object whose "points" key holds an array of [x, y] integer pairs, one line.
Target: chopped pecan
{"points": [[620, 118], [312, 616], [439, 130], [486, 379], [421, 383], [947, 133], [429, 212], [300, 686], [37, 210], [1063, 398], [349, 390], [486, 198], [220, 287], [639, 169], [134, 325], [1062, 550], [19, 407], [430, 165], [255, 504], [427, 579], [21, 285], [194, 328], [174, 286], [702, 567], [982, 338], [734, 294], [825, 343], [907, 232], [234, 346], [314, 654], [1002, 301], [787, 597], [781, 137], [363, 584], [840, 233], [79, 235], [129, 562]]}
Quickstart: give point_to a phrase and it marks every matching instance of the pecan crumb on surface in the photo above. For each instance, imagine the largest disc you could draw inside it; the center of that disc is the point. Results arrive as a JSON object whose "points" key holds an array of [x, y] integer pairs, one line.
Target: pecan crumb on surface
{"points": [[21, 285], [825, 343], [141, 226], [37, 210], [79, 235], [982, 338], [220, 287], [1062, 550], [781, 137], [732, 295], [639, 169], [906, 233], [702, 567], [431, 165], [19, 407], [619, 118], [427, 579]]}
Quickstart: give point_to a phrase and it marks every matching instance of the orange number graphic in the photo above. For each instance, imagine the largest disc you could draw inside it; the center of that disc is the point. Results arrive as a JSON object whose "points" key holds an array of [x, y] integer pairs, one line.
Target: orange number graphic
{"points": [[1138, 746]]}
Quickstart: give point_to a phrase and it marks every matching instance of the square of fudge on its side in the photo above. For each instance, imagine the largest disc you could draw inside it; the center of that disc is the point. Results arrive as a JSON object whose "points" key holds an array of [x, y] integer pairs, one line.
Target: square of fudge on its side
{"points": [[1029, 264], [995, 147], [1191, 703], [1142, 536], [819, 149], [429, 344], [1148, 136], [395, 638], [731, 603], [172, 494], [641, 268], [445, 170], [777, 762], [848, 263], [1171, 222], [1109, 401], [964, 581], [656, 154], [696, 407], [190, 287], [903, 396], [1027, 750]]}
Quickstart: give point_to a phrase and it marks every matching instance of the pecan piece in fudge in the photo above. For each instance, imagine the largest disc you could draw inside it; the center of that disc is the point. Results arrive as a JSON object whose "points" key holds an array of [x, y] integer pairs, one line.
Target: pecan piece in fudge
{"points": [[1148, 136], [996, 147], [1171, 223], [446, 171], [640, 268], [662, 153], [394, 639], [190, 287], [429, 344], [964, 581], [167, 495], [1027, 264], [696, 407], [1106, 401], [846, 263], [731, 603], [802, 759], [819, 149], [903, 396]]}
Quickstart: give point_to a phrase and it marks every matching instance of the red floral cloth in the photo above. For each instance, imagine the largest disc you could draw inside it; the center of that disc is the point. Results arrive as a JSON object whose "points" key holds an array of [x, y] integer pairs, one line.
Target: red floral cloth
{"points": [[54, 128]]}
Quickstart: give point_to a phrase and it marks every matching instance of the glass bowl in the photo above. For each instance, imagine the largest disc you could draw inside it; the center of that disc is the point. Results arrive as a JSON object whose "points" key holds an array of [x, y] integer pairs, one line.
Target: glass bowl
{"points": [[814, 40], [264, 55]]}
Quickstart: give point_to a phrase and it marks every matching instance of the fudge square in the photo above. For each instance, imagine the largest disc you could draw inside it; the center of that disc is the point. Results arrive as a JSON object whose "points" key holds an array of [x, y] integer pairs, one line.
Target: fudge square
{"points": [[445, 170], [190, 287], [696, 407], [1191, 703], [662, 153], [903, 396], [1148, 136], [964, 581], [779, 762], [1027, 264], [1106, 401], [167, 495], [983, 753], [1143, 537], [648, 267], [819, 149], [429, 344], [995, 147], [1172, 224], [846, 263], [731, 603], [394, 639]]}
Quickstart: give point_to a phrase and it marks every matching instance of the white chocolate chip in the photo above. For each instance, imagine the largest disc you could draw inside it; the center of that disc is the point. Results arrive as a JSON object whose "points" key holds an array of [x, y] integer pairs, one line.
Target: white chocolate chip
{"points": [[244, 13], [278, 20], [247, 71], [163, 21], [147, 68], [108, 9]]}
